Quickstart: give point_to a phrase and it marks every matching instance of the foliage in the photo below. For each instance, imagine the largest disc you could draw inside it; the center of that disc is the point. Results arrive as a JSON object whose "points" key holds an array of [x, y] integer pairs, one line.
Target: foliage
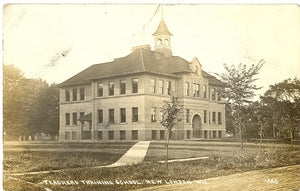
{"points": [[282, 101], [171, 109], [30, 106], [238, 91]]}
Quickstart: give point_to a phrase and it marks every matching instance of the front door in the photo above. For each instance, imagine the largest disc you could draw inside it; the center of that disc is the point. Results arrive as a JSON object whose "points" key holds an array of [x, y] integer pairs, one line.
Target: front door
{"points": [[196, 126]]}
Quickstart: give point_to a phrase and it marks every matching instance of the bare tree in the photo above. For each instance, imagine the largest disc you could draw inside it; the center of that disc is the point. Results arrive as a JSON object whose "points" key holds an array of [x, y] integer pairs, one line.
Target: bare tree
{"points": [[171, 109]]}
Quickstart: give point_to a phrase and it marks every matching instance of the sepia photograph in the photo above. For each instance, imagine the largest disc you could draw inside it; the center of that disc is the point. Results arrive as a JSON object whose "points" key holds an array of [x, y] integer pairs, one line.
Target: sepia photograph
{"points": [[151, 97]]}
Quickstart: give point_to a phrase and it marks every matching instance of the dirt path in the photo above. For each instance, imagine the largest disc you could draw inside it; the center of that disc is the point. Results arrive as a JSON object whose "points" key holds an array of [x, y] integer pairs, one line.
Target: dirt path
{"points": [[282, 178]]}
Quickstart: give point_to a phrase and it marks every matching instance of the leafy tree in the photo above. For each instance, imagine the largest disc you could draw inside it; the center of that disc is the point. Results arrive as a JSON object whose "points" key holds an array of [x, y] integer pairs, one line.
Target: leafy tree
{"points": [[283, 102], [171, 109], [239, 90], [15, 99]]}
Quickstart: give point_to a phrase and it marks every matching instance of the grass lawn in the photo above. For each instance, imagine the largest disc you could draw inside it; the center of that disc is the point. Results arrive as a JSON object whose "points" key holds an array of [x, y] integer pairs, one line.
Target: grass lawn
{"points": [[224, 158], [52, 156]]}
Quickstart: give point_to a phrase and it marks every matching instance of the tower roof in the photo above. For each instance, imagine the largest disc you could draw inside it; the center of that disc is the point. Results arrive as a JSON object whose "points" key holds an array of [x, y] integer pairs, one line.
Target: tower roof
{"points": [[162, 29]]}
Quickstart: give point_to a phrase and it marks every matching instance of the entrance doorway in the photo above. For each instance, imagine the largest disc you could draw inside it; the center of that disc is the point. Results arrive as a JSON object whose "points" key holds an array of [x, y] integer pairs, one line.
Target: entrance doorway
{"points": [[196, 126]]}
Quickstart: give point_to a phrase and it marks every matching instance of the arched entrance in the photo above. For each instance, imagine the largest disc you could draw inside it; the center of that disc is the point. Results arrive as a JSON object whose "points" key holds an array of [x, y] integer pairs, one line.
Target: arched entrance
{"points": [[196, 126]]}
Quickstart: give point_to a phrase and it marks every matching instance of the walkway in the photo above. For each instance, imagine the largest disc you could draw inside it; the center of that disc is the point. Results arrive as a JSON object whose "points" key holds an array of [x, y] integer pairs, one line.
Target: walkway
{"points": [[134, 155], [282, 178]]}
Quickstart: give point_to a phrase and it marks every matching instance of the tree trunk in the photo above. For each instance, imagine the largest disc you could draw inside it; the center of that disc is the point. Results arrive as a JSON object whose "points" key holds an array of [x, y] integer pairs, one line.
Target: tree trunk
{"points": [[167, 147]]}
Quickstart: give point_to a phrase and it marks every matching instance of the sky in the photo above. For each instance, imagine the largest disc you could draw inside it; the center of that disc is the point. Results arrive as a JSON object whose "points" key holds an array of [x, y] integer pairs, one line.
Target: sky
{"points": [[56, 41]]}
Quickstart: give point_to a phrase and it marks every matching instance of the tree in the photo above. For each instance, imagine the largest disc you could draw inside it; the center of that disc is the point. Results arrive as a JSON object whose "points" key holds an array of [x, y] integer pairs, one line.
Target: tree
{"points": [[15, 99], [283, 102], [238, 91], [171, 109]]}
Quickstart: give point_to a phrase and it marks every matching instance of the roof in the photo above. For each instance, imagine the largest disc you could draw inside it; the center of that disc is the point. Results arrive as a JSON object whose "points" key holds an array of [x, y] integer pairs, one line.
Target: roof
{"points": [[162, 29], [87, 117], [139, 61]]}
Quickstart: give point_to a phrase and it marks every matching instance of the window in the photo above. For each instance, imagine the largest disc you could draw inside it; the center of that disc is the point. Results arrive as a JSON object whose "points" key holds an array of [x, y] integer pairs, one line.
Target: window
{"points": [[100, 135], [220, 134], [169, 88], [111, 88], [74, 91], [135, 85], [111, 115], [153, 134], [100, 116], [122, 135], [100, 89], [81, 90], [153, 85], [81, 114], [160, 86], [67, 95], [74, 118], [214, 134], [135, 114], [205, 134], [213, 93], [196, 90], [122, 87], [204, 91], [74, 135], [67, 118], [219, 95], [67, 135], [123, 115], [214, 117], [111, 135], [162, 134], [188, 134], [187, 89], [134, 135], [153, 114], [205, 116], [187, 115], [161, 114], [219, 118]]}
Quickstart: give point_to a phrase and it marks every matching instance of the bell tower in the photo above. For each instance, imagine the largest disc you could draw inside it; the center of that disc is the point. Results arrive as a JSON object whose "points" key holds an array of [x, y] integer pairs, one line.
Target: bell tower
{"points": [[162, 39]]}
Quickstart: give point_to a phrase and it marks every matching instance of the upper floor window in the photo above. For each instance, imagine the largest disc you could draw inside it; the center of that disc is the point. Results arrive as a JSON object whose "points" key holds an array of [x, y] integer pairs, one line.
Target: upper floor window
{"points": [[122, 87], [111, 88], [219, 95], [100, 116], [214, 117], [123, 115], [153, 114], [187, 89], [204, 91], [135, 85], [67, 95], [100, 89], [196, 90], [161, 87], [219, 118], [81, 114], [187, 115], [161, 114], [67, 118], [74, 118], [205, 116], [111, 115], [213, 93], [153, 85], [74, 91], [169, 88], [81, 93], [135, 114]]}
